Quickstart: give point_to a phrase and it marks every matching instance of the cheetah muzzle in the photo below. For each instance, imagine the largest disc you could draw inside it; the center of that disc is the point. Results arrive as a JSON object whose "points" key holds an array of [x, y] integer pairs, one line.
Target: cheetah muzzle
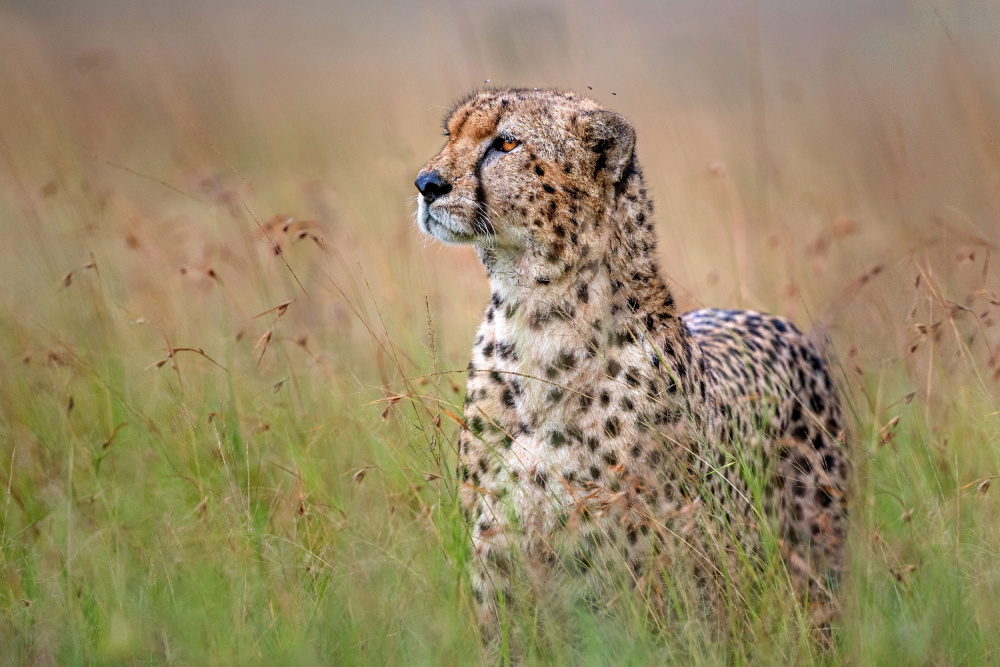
{"points": [[601, 425]]}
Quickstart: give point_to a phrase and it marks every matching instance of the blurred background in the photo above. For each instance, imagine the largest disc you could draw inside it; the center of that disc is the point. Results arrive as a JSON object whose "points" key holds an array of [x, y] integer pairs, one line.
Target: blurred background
{"points": [[790, 146], [213, 293]]}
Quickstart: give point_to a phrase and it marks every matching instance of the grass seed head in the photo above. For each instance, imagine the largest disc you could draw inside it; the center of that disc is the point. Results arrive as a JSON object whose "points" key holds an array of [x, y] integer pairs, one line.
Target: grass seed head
{"points": [[887, 434]]}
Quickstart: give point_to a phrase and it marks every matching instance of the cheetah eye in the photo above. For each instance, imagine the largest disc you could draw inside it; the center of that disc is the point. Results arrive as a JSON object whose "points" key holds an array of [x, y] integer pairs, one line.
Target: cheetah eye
{"points": [[505, 144]]}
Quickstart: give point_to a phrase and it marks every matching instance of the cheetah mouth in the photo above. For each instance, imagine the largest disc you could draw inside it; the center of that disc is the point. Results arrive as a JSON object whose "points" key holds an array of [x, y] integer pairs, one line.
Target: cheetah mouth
{"points": [[433, 225]]}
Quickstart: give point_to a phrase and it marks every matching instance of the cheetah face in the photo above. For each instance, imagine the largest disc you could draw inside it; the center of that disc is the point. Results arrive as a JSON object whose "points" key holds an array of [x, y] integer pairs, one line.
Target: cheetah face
{"points": [[524, 170]]}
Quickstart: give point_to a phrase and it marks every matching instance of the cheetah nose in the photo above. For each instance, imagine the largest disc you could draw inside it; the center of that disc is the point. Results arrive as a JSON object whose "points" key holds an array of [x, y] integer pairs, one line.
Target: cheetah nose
{"points": [[431, 185]]}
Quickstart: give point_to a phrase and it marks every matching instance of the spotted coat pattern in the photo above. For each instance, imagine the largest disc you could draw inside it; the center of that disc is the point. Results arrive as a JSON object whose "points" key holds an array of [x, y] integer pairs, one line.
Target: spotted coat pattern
{"points": [[600, 422]]}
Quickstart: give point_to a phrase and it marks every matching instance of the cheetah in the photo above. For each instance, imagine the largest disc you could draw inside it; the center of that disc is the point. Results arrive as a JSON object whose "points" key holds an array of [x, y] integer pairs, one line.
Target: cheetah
{"points": [[600, 424]]}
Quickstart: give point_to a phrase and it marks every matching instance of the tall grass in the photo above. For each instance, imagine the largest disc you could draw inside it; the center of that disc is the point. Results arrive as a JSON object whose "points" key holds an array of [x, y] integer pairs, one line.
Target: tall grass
{"points": [[229, 364]]}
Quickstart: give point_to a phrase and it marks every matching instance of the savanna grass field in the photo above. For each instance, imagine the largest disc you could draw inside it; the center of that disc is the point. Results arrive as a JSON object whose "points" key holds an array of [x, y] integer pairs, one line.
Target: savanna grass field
{"points": [[231, 367]]}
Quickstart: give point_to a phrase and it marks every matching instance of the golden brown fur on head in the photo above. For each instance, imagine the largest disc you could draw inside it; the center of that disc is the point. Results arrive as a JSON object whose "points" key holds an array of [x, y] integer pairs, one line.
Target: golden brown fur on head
{"points": [[526, 174]]}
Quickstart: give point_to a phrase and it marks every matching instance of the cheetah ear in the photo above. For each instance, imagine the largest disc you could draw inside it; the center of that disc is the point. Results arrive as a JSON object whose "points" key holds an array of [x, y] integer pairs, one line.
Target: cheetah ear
{"points": [[611, 136]]}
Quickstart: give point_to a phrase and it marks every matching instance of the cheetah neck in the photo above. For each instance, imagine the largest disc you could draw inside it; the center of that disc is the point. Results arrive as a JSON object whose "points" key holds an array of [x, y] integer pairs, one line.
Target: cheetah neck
{"points": [[564, 331]]}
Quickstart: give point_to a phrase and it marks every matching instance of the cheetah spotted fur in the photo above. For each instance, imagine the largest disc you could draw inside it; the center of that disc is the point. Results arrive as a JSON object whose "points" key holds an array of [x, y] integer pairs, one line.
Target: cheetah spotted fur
{"points": [[599, 422]]}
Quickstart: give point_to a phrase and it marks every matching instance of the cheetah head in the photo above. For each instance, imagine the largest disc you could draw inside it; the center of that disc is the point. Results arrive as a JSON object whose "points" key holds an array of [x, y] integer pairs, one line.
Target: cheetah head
{"points": [[526, 172]]}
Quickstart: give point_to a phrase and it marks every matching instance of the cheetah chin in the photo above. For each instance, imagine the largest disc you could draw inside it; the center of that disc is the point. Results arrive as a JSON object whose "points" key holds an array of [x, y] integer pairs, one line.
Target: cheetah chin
{"points": [[603, 428], [440, 224]]}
